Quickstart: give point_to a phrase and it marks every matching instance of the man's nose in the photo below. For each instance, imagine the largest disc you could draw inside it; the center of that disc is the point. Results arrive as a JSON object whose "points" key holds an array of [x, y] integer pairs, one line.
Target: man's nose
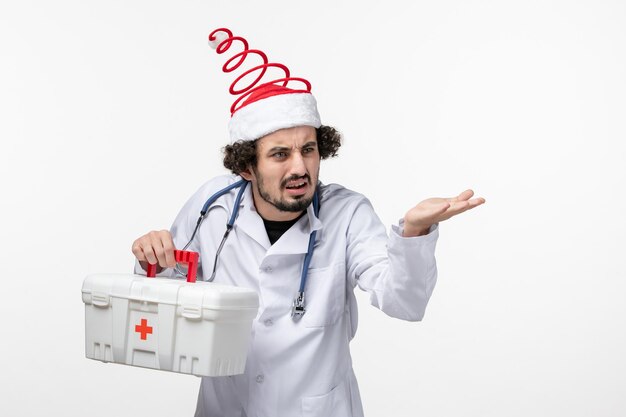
{"points": [[297, 164]]}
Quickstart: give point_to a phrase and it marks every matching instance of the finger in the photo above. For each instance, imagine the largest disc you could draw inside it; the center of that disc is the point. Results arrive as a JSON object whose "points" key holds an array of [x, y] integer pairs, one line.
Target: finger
{"points": [[137, 251], [168, 247], [467, 205], [465, 195], [477, 202], [455, 208], [459, 206], [461, 197], [148, 254], [157, 247], [143, 250], [442, 208]]}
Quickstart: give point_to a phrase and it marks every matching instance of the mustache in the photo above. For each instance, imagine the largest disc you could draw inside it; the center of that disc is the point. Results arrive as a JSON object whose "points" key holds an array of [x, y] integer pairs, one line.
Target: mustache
{"points": [[295, 178]]}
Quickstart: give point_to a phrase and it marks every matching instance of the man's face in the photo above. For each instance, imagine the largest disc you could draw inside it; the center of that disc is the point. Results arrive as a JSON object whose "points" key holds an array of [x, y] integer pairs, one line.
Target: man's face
{"points": [[284, 180]]}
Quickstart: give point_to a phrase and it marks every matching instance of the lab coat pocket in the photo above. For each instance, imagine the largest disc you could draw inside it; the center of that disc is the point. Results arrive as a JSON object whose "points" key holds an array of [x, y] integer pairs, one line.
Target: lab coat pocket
{"points": [[335, 403], [325, 295]]}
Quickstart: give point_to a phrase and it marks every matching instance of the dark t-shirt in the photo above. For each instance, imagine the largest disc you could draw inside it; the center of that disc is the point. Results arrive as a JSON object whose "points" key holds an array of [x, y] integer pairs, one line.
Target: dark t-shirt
{"points": [[276, 229]]}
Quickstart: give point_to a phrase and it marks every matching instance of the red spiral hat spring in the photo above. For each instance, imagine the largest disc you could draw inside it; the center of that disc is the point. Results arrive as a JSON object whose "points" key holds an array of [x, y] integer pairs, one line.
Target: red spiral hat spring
{"points": [[226, 43]]}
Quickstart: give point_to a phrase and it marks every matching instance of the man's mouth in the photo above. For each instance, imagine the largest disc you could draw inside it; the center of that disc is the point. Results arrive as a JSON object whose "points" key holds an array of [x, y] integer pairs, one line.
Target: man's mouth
{"points": [[297, 187], [294, 185]]}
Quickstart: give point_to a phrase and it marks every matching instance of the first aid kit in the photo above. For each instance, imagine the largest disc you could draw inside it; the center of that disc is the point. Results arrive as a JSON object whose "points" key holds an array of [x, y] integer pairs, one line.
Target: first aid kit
{"points": [[198, 328]]}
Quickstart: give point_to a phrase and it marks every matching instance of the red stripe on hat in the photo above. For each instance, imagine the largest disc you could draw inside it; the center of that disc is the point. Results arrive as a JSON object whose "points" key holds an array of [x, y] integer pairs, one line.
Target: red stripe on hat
{"points": [[254, 91]]}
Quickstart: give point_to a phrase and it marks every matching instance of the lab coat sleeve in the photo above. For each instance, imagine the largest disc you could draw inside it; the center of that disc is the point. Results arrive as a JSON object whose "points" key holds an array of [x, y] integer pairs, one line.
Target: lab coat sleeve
{"points": [[398, 272]]}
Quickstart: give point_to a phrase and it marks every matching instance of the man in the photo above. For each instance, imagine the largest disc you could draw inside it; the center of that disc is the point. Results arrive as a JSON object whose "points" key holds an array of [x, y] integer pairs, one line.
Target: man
{"points": [[298, 364]]}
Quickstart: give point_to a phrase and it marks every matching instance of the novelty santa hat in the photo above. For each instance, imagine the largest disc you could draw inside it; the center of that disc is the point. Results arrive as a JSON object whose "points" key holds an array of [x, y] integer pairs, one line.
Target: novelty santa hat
{"points": [[263, 108]]}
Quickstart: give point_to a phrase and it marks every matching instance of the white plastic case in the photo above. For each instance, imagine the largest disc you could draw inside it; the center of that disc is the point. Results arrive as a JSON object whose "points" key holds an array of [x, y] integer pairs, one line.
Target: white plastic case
{"points": [[196, 328]]}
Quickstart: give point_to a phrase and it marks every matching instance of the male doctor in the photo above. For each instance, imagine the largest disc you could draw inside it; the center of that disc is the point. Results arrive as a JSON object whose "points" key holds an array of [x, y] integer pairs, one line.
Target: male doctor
{"points": [[299, 360]]}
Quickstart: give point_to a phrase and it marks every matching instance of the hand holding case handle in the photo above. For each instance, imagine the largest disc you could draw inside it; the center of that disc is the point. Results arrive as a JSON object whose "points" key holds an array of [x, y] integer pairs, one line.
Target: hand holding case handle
{"points": [[182, 256]]}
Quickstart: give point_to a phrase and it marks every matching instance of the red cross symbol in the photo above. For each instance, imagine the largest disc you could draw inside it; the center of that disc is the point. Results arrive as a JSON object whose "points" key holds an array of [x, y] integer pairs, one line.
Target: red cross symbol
{"points": [[144, 329]]}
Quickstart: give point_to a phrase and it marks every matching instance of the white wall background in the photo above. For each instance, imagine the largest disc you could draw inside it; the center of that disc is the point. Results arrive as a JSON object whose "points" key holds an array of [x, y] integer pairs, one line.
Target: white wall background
{"points": [[113, 113]]}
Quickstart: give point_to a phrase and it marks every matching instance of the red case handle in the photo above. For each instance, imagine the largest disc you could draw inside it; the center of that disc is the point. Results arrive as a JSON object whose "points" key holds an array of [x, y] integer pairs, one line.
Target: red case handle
{"points": [[182, 256]]}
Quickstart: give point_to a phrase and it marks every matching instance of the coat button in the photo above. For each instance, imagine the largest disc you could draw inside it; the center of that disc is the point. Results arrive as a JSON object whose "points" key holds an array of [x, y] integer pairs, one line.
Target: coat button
{"points": [[268, 269], [260, 378], [268, 322]]}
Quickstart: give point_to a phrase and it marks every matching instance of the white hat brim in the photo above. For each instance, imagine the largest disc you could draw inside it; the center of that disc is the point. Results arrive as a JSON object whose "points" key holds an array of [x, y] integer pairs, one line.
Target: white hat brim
{"points": [[268, 115]]}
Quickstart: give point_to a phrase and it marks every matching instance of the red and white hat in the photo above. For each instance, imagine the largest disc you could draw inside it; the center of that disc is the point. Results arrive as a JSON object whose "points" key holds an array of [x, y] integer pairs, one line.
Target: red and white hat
{"points": [[263, 107]]}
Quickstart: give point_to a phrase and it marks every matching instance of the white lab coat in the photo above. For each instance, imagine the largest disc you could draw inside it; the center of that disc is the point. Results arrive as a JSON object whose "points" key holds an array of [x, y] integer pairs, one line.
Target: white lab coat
{"points": [[304, 368]]}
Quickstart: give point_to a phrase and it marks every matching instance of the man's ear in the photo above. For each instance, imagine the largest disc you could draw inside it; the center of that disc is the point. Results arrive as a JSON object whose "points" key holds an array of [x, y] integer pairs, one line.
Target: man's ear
{"points": [[246, 175]]}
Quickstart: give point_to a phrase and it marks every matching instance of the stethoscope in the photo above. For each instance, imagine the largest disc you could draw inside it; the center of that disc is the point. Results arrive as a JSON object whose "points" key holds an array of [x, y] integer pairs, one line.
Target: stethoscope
{"points": [[297, 309]]}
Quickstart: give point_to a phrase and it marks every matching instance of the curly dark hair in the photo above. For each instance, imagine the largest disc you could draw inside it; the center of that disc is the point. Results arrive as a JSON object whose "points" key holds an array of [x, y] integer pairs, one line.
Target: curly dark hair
{"points": [[242, 154]]}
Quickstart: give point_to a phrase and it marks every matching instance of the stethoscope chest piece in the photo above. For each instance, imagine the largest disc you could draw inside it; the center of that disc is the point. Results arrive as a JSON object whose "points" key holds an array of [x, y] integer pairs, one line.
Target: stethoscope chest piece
{"points": [[298, 310]]}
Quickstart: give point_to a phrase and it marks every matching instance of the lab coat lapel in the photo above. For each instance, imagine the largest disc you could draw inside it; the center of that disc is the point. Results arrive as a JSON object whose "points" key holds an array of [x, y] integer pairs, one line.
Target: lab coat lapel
{"points": [[296, 239], [249, 220]]}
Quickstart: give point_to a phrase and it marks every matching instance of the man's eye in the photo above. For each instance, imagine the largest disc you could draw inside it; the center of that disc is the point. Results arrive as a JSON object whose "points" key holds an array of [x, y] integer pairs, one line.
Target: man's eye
{"points": [[308, 150], [279, 155]]}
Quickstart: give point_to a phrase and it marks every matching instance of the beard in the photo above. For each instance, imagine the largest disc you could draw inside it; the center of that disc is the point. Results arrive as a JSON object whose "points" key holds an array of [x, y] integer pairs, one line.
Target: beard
{"points": [[299, 205]]}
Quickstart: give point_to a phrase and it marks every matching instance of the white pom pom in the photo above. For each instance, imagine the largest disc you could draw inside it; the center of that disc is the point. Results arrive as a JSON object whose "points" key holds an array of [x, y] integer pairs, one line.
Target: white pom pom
{"points": [[219, 38]]}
